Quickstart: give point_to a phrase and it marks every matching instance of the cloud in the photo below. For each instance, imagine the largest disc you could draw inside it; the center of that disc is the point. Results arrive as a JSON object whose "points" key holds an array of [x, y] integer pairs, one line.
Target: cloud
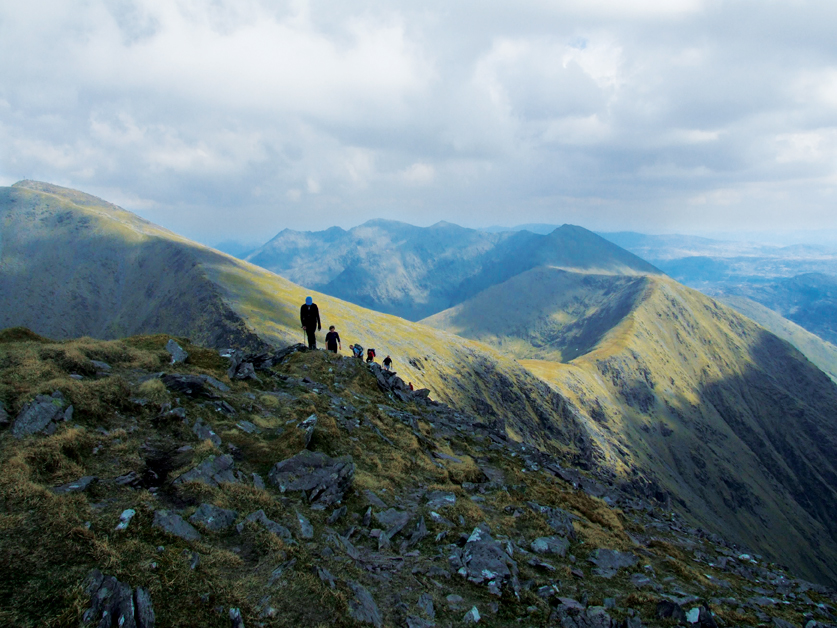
{"points": [[249, 116]]}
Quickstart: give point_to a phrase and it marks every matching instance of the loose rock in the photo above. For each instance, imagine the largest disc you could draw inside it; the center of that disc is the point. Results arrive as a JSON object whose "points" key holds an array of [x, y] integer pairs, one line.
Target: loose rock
{"points": [[608, 562], [213, 518], [271, 526], [38, 415], [213, 471], [555, 545], [323, 480], [113, 603], [176, 351], [362, 607], [80, 485], [204, 432], [175, 524]]}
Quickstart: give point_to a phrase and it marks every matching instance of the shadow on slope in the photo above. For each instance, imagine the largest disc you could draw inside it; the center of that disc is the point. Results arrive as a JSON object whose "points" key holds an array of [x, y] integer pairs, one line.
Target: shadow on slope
{"points": [[546, 312]]}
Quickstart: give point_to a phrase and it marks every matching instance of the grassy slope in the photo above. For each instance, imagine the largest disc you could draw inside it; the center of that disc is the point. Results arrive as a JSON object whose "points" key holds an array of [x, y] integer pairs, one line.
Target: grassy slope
{"points": [[734, 423], [819, 351], [75, 265]]}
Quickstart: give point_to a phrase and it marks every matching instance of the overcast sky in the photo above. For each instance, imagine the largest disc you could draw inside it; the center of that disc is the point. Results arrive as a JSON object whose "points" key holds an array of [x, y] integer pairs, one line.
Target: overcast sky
{"points": [[234, 119]]}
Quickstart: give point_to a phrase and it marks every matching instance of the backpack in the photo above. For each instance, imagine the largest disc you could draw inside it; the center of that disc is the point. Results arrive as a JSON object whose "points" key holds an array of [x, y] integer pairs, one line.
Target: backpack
{"points": [[357, 350], [370, 354]]}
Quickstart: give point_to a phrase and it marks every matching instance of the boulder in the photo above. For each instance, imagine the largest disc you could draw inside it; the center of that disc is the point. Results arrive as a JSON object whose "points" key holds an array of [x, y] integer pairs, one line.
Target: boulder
{"points": [[212, 471], [79, 486], [307, 427], [175, 525], [485, 560], [555, 545], [608, 562], [271, 526], [440, 499], [113, 603], [176, 351], [189, 385], [393, 520], [38, 415], [362, 607], [213, 518], [322, 479], [204, 432]]}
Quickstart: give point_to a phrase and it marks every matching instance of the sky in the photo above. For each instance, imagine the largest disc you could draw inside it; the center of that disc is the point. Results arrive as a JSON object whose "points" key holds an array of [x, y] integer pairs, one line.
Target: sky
{"points": [[234, 119]]}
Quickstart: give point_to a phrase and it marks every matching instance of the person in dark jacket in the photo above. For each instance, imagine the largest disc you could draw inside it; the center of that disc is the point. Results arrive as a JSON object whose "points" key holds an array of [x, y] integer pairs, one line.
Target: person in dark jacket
{"points": [[387, 363], [333, 340], [309, 315]]}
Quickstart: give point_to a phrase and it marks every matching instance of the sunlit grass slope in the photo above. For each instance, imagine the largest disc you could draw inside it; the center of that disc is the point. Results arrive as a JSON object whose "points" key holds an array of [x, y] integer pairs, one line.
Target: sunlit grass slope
{"points": [[819, 351], [73, 265], [734, 423]]}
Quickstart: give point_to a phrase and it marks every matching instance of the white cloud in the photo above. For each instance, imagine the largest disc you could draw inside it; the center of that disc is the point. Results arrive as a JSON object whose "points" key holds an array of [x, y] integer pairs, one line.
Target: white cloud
{"points": [[250, 111]]}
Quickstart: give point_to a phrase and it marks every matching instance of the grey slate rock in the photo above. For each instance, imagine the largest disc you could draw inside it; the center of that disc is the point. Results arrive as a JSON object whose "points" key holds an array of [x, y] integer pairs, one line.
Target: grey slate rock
{"points": [[212, 471], [608, 562], [113, 603], [307, 427], [337, 515], [175, 525], [37, 415], [440, 499], [102, 366], [258, 482], [271, 526], [215, 383], [443, 456], [176, 351], [472, 616], [418, 622], [373, 499], [326, 576], [204, 432], [236, 620], [247, 427], [485, 560], [393, 520], [555, 545], [667, 609], [362, 607], [425, 604], [213, 518], [323, 480], [306, 530], [592, 617], [190, 385], [80, 485]]}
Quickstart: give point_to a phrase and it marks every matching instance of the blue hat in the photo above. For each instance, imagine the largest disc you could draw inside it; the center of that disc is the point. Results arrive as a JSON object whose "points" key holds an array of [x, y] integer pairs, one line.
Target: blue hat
{"points": [[308, 300]]}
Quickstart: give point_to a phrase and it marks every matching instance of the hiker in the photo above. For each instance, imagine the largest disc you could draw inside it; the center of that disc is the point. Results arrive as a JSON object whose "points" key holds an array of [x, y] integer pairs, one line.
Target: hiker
{"points": [[333, 340], [370, 355], [357, 351], [410, 385], [387, 363], [309, 315]]}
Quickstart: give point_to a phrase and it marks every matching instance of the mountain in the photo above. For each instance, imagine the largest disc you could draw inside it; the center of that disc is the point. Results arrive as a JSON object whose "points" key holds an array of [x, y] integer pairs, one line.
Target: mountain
{"points": [[736, 424], [819, 351], [73, 265], [177, 494], [415, 272]]}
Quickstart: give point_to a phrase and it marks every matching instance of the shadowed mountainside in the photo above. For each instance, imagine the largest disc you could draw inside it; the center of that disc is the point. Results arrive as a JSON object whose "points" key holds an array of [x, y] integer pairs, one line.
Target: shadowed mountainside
{"points": [[733, 422], [415, 272]]}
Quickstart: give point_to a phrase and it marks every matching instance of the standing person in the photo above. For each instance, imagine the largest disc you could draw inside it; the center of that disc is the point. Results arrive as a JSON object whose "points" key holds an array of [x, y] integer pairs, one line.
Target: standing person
{"points": [[309, 315], [333, 340], [370, 355], [387, 363]]}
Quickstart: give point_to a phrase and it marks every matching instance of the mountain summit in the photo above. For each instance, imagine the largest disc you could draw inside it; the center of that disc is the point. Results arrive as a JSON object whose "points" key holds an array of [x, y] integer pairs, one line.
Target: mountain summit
{"points": [[415, 272]]}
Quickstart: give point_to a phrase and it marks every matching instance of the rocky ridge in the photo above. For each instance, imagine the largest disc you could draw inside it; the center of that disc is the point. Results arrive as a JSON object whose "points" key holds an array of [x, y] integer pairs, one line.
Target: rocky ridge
{"points": [[385, 508]]}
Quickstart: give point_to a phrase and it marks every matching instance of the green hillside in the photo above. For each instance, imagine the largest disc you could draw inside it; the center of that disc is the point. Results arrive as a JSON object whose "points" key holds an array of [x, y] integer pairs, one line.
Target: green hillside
{"points": [[733, 422]]}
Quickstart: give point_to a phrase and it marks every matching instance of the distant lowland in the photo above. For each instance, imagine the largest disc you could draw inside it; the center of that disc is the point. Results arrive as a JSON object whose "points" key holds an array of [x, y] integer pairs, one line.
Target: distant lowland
{"points": [[565, 342]]}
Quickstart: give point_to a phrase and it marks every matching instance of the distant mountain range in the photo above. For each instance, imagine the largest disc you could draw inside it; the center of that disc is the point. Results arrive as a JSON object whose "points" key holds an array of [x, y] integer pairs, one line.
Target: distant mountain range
{"points": [[414, 272], [668, 392]]}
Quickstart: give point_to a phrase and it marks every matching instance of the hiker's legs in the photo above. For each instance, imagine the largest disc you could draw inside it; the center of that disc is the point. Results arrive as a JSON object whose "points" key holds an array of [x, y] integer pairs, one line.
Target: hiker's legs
{"points": [[312, 337]]}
